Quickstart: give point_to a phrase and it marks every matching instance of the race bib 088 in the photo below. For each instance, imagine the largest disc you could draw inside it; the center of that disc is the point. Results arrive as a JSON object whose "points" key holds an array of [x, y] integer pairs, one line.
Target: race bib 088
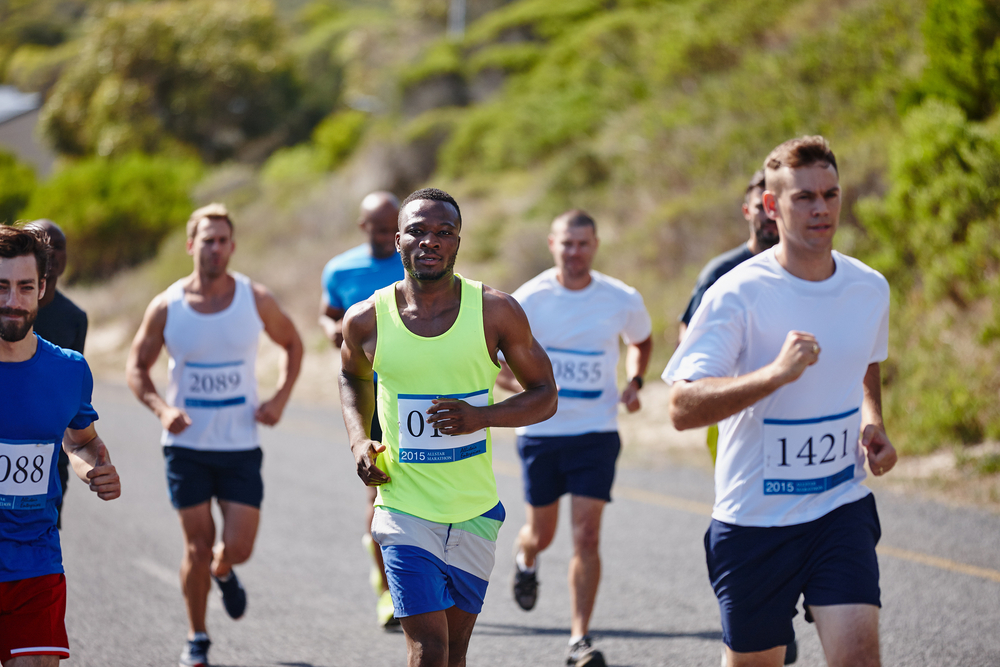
{"points": [[24, 475], [805, 456], [579, 374], [214, 385], [420, 442]]}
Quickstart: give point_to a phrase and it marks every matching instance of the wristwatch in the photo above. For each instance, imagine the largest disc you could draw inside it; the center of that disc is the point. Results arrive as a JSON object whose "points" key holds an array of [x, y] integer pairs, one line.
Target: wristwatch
{"points": [[638, 380]]}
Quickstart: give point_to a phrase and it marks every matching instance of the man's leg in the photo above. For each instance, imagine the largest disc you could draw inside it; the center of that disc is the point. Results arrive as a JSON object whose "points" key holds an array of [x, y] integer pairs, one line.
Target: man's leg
{"points": [[848, 633], [439, 638], [774, 657], [199, 535], [239, 531], [376, 552], [33, 661], [538, 530], [585, 565]]}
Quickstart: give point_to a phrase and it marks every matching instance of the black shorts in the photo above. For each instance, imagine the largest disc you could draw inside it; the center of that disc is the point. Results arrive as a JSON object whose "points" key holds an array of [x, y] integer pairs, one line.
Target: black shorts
{"points": [[758, 573], [195, 476], [583, 465]]}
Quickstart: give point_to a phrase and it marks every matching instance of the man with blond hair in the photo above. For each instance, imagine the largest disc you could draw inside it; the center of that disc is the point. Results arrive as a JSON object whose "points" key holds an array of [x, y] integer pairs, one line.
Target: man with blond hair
{"points": [[784, 353], [210, 323]]}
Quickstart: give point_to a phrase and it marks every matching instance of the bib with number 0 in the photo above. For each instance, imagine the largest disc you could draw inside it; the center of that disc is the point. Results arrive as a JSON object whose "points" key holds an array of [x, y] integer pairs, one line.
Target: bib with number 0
{"points": [[214, 385], [578, 374], [420, 442], [805, 456], [24, 475]]}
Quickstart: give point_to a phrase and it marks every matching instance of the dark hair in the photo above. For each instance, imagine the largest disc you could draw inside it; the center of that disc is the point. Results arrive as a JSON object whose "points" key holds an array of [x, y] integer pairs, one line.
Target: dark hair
{"points": [[211, 211], [18, 242], [432, 194], [577, 218], [801, 152], [756, 183]]}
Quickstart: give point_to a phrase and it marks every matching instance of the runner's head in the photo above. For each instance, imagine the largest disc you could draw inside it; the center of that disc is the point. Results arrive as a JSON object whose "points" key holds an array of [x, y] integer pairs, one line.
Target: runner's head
{"points": [[24, 261], [430, 227], [57, 246], [803, 193], [573, 243], [763, 230], [210, 239], [379, 220]]}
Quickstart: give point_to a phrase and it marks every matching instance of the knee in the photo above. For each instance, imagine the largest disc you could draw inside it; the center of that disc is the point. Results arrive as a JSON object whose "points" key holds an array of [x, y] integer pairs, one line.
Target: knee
{"points": [[537, 537], [428, 652], [238, 552], [198, 552], [586, 540]]}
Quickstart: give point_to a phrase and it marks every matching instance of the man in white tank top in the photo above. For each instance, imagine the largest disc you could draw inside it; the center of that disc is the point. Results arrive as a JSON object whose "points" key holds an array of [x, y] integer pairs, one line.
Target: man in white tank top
{"points": [[210, 322]]}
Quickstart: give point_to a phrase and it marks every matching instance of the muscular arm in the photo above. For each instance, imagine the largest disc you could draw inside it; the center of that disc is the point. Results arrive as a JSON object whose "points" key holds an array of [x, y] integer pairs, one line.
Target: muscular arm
{"points": [[881, 453], [710, 400], [91, 463], [145, 349], [357, 390], [279, 328]]}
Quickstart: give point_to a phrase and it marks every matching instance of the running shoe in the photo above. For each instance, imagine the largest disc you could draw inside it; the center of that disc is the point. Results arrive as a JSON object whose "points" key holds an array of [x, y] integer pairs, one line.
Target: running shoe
{"points": [[234, 598], [582, 654], [195, 654], [525, 587], [385, 612]]}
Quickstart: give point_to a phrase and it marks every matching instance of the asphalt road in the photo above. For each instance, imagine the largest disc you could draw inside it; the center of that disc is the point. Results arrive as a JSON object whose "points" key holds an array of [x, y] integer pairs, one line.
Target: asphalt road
{"points": [[310, 604]]}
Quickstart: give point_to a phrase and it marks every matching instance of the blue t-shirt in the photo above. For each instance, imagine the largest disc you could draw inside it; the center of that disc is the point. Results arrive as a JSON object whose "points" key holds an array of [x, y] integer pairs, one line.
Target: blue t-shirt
{"points": [[715, 269], [39, 399], [353, 276]]}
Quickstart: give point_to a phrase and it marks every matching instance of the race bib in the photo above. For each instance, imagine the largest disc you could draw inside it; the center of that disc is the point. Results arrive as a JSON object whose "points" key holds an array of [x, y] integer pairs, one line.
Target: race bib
{"points": [[578, 374], [24, 475], [214, 385], [420, 442], [805, 456]]}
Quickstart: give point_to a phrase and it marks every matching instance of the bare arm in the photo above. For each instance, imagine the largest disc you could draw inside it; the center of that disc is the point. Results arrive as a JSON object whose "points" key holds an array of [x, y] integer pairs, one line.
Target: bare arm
{"points": [[507, 380], [331, 320], [710, 400], [881, 453], [681, 330], [91, 463], [357, 390], [279, 328], [636, 362], [146, 348], [507, 330]]}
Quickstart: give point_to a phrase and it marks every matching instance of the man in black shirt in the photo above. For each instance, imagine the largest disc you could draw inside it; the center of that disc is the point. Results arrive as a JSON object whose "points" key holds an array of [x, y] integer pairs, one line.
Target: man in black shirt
{"points": [[59, 321]]}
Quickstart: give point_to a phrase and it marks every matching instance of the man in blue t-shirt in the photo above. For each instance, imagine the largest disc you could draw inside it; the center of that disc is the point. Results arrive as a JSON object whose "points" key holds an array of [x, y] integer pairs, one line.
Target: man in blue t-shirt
{"points": [[350, 278], [52, 405]]}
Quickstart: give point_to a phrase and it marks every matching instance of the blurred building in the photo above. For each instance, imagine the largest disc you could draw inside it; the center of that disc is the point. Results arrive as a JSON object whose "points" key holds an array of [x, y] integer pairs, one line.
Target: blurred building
{"points": [[18, 118]]}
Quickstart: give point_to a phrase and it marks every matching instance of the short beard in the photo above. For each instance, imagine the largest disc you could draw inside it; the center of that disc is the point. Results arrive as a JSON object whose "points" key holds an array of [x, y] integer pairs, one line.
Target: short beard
{"points": [[13, 332], [426, 276], [766, 240]]}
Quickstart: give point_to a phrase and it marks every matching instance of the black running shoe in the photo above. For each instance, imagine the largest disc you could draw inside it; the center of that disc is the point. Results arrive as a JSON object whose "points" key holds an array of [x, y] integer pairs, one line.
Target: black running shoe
{"points": [[234, 598], [582, 654], [195, 654], [525, 588]]}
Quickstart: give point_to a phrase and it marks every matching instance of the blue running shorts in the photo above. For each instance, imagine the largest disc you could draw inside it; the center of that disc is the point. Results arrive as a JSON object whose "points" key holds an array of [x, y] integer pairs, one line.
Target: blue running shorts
{"points": [[195, 476], [583, 465], [434, 566], [758, 573]]}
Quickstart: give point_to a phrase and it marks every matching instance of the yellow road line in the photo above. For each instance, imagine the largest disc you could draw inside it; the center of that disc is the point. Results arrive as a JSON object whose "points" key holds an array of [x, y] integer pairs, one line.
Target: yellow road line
{"points": [[704, 509]]}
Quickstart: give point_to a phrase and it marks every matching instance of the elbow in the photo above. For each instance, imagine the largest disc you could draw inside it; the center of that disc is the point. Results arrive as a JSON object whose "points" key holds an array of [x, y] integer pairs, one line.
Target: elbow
{"points": [[553, 404], [680, 417]]}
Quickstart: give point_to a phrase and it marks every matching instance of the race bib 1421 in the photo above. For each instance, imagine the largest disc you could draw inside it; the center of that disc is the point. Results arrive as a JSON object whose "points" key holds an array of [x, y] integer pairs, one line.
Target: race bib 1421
{"points": [[24, 475], [420, 442], [214, 385], [578, 373], [805, 456]]}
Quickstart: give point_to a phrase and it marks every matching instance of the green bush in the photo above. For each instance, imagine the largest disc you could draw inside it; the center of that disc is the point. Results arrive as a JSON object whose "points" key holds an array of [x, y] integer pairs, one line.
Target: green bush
{"points": [[17, 182], [115, 212], [337, 137]]}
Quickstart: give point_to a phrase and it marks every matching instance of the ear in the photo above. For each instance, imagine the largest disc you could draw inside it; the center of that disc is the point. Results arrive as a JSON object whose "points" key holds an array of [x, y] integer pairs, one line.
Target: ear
{"points": [[396, 242], [41, 288], [189, 245], [551, 243], [770, 205]]}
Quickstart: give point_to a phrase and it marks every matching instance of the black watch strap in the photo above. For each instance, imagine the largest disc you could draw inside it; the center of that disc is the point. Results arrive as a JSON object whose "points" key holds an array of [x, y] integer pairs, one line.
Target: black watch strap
{"points": [[638, 380]]}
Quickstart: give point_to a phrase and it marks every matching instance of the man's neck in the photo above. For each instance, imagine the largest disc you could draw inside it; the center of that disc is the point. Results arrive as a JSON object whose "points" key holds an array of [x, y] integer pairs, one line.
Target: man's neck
{"points": [[573, 282], [431, 293], [814, 266], [21, 350], [209, 286]]}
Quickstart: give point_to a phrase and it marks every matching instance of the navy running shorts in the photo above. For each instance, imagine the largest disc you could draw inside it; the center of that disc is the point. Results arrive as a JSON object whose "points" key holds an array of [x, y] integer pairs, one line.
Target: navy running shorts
{"points": [[758, 573], [583, 465], [195, 476]]}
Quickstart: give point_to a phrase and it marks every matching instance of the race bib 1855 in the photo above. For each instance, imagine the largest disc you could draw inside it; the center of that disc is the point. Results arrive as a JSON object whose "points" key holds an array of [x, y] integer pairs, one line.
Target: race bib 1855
{"points": [[214, 385], [420, 442], [804, 456], [24, 475], [579, 374]]}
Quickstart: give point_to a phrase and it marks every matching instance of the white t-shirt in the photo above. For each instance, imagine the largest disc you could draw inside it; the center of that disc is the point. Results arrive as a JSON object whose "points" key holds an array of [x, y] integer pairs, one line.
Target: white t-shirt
{"points": [[794, 456], [579, 330]]}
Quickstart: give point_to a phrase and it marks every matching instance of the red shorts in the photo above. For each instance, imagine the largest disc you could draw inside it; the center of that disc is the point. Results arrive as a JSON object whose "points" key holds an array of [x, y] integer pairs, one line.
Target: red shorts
{"points": [[33, 617]]}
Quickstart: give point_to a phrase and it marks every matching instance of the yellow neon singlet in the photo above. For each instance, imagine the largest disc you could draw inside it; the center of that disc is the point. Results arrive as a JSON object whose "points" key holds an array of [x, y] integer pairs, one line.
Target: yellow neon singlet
{"points": [[437, 477]]}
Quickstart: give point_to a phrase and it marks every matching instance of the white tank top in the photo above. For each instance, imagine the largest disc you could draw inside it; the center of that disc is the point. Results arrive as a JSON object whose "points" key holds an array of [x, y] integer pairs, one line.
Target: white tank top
{"points": [[212, 378]]}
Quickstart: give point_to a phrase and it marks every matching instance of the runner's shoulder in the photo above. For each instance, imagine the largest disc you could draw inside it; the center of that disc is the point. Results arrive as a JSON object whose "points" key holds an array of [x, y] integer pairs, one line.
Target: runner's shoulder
{"points": [[61, 355], [361, 316]]}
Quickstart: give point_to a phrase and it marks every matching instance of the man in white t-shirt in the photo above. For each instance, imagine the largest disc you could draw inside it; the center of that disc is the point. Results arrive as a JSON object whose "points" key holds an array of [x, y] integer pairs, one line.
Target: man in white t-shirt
{"points": [[578, 316], [210, 323], [784, 353]]}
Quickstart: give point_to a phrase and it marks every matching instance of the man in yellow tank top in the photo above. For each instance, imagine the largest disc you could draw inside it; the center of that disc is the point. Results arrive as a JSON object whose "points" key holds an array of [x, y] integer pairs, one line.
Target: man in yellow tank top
{"points": [[433, 338]]}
